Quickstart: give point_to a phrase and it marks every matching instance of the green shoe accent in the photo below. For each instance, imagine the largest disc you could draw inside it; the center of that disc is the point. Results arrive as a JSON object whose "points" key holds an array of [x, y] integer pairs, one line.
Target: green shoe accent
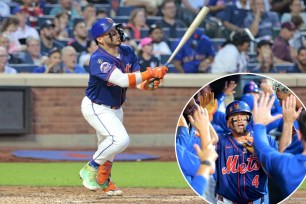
{"points": [[89, 176]]}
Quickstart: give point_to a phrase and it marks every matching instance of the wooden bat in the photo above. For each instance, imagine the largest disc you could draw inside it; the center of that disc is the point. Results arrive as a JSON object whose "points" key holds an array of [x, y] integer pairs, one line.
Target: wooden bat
{"points": [[195, 23]]}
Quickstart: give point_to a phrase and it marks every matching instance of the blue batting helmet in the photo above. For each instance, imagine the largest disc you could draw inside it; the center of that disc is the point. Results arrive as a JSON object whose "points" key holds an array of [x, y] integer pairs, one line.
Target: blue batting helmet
{"points": [[101, 26], [237, 107], [250, 87]]}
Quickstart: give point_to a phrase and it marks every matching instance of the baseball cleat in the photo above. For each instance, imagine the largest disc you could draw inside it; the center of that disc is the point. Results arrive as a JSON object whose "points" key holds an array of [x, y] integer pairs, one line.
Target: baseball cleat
{"points": [[112, 189], [89, 175]]}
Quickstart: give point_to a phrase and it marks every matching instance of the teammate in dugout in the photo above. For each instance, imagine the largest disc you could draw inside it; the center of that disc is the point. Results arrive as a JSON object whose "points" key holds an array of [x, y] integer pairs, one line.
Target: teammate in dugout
{"points": [[113, 68], [288, 169], [240, 177]]}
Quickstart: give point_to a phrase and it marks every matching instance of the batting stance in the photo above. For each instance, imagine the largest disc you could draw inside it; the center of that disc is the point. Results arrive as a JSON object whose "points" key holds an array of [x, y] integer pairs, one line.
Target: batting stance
{"points": [[113, 68], [240, 177]]}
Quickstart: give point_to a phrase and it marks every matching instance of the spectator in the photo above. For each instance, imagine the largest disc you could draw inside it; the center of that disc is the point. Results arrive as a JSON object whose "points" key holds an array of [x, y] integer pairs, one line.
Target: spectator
{"points": [[52, 64], [69, 6], [5, 9], [31, 7], [8, 27], [84, 58], [24, 31], [234, 15], [137, 22], [149, 5], [47, 36], [296, 9], [232, 58], [79, 43], [61, 26], [296, 41], [69, 56], [196, 55], [216, 6], [168, 9], [280, 6], [193, 6], [281, 47], [4, 68], [145, 56], [89, 14], [32, 54], [160, 47], [300, 65], [261, 22], [4, 42], [101, 13], [265, 58]]}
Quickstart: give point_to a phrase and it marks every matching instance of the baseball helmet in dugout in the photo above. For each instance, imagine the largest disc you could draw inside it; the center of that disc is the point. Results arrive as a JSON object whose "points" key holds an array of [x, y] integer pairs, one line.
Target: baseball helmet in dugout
{"points": [[237, 107], [103, 25], [250, 88]]}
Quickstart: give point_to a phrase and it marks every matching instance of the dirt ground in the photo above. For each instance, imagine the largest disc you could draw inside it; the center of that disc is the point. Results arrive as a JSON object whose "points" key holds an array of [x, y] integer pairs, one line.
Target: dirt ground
{"points": [[131, 195]]}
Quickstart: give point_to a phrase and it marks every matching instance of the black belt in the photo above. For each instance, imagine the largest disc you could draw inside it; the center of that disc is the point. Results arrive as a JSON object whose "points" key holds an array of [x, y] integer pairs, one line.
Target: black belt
{"points": [[111, 107]]}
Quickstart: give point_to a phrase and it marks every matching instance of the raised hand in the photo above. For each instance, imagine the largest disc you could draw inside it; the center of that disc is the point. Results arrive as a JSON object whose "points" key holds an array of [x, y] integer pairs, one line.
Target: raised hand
{"points": [[266, 88], [289, 109], [262, 111], [229, 88]]}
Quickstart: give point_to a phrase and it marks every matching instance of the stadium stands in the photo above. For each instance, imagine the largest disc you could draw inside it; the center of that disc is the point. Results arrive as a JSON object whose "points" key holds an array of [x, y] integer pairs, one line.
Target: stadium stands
{"points": [[24, 68]]}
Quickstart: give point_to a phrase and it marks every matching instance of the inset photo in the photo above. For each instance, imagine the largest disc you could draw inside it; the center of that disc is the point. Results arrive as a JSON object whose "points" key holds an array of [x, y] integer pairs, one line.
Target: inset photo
{"points": [[241, 139]]}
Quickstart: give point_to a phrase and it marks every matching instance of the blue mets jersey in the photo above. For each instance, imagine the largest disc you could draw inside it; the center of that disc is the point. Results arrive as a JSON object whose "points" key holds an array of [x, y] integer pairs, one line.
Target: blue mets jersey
{"points": [[288, 170], [240, 176], [101, 66], [192, 55]]}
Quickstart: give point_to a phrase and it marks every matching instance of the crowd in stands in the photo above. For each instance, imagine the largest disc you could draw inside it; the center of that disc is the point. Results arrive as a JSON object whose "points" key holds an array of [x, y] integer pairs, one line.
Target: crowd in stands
{"points": [[52, 36]]}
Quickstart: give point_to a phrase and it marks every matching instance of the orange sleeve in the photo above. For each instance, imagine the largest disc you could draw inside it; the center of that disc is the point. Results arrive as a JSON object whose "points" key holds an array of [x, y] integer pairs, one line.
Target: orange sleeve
{"points": [[132, 80]]}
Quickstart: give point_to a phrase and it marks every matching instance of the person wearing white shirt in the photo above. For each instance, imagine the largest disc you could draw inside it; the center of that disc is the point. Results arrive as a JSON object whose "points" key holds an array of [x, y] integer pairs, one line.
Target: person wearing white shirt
{"points": [[24, 31], [160, 47], [4, 68], [232, 58]]}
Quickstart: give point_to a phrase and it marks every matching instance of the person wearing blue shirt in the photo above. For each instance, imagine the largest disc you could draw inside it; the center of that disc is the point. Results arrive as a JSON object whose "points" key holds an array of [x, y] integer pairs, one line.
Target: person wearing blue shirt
{"points": [[69, 56], [196, 54], [196, 168], [288, 170]]}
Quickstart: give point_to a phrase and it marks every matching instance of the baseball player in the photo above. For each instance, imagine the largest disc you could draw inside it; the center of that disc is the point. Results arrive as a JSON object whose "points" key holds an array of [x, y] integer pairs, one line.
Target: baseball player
{"points": [[195, 168], [240, 177], [288, 170], [113, 68], [291, 108]]}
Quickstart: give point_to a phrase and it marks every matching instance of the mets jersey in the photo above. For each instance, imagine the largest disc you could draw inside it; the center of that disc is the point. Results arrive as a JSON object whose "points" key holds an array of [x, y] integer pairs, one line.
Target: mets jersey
{"points": [[240, 177], [101, 66]]}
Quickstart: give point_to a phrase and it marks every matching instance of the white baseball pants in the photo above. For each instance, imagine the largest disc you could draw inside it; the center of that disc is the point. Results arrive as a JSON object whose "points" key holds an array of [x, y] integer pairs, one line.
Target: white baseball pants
{"points": [[108, 123]]}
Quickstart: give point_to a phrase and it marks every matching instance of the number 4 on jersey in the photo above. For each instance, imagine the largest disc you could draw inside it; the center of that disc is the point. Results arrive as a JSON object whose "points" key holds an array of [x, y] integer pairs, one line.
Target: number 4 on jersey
{"points": [[255, 181]]}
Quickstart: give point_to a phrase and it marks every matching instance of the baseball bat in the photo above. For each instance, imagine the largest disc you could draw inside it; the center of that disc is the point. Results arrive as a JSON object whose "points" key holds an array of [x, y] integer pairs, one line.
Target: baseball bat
{"points": [[195, 23]]}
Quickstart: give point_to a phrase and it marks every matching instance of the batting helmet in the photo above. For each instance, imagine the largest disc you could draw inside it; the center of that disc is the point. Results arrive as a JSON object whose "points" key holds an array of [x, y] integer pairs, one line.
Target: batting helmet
{"points": [[101, 26], [250, 87], [237, 107]]}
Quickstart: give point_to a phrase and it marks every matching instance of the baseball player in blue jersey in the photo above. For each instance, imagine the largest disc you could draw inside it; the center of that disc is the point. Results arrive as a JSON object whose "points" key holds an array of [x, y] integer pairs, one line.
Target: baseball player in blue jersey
{"points": [[113, 68], [288, 170], [240, 177], [195, 168]]}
